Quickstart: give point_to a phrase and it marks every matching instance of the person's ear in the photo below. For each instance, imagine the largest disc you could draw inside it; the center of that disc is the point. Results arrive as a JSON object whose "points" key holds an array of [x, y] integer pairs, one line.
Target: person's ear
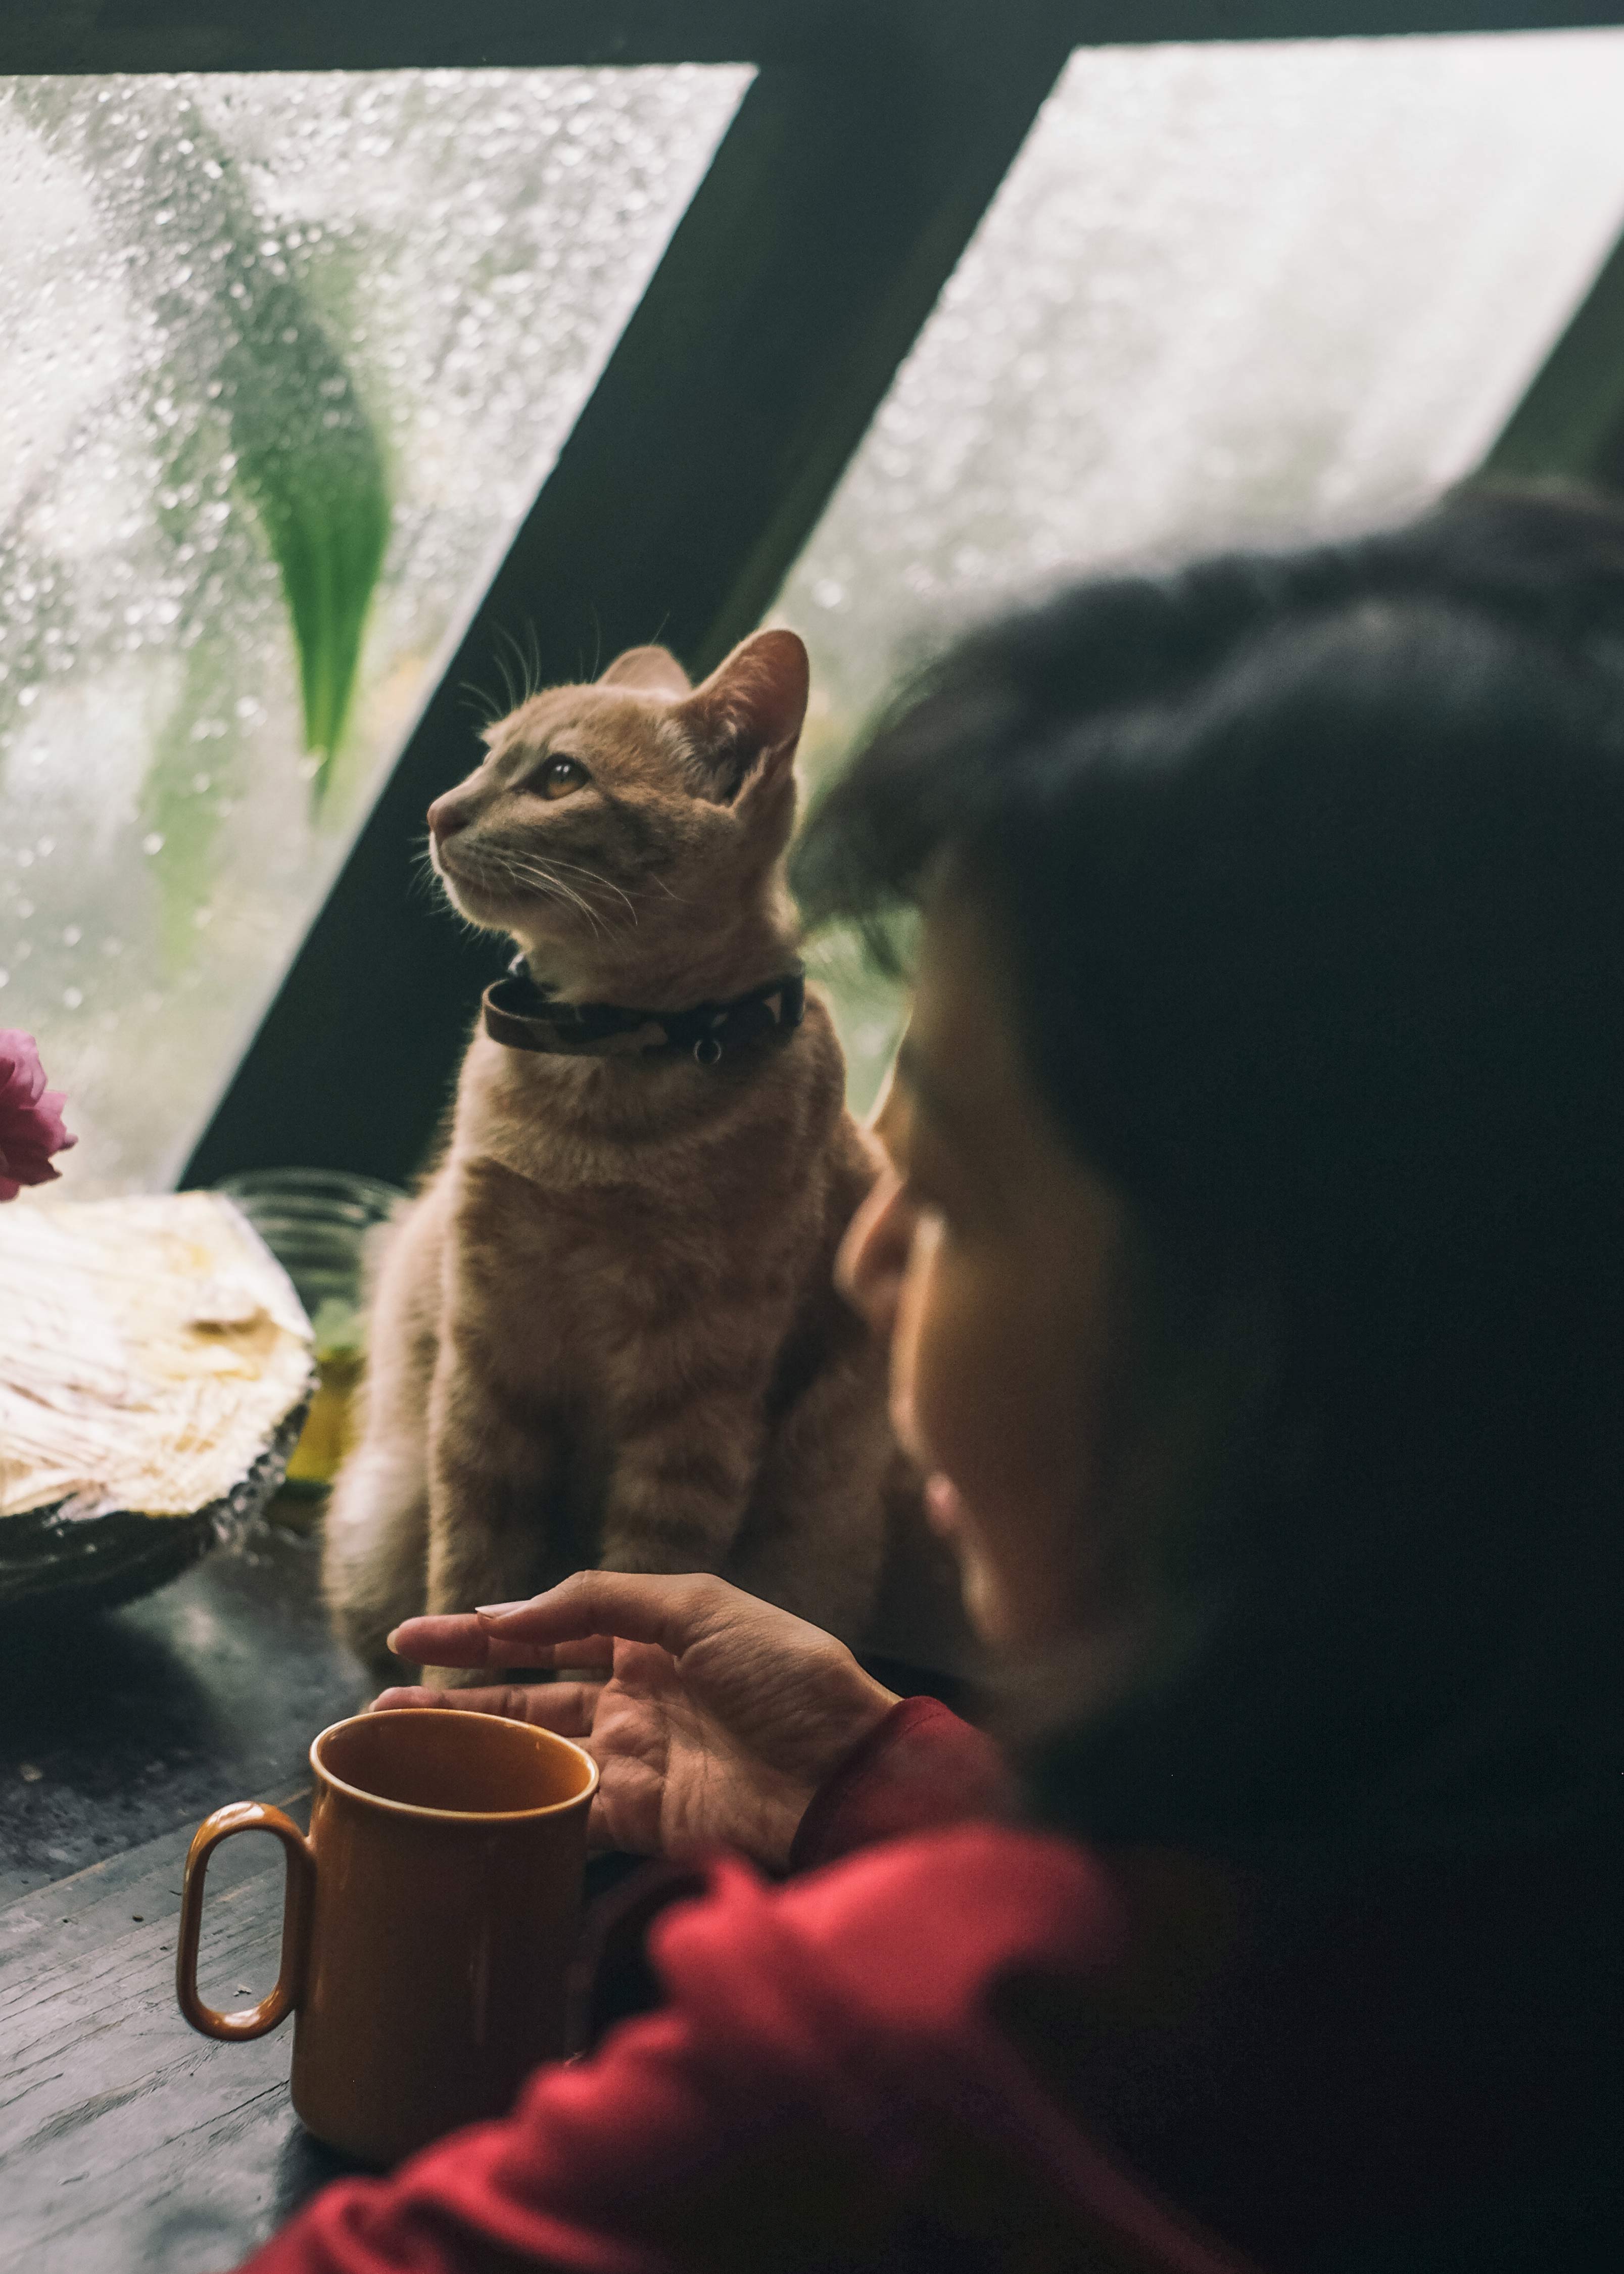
{"points": [[743, 723], [649, 671]]}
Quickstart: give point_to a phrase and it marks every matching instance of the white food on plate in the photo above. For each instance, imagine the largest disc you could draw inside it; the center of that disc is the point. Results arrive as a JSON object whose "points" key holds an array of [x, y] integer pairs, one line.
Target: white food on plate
{"points": [[149, 1347]]}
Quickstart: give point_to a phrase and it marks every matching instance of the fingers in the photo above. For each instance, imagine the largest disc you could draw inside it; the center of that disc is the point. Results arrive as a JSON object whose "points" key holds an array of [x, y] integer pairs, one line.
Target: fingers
{"points": [[574, 1624], [673, 1612], [465, 1639], [565, 1707]]}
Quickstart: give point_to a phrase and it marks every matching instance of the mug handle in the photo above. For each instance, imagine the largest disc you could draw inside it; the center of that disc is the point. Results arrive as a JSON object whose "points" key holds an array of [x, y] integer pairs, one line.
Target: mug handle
{"points": [[251, 2021]]}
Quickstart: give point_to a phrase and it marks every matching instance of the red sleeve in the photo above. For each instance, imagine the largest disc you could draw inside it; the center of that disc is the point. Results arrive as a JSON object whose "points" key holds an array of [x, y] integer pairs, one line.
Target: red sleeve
{"points": [[919, 1768], [816, 2072]]}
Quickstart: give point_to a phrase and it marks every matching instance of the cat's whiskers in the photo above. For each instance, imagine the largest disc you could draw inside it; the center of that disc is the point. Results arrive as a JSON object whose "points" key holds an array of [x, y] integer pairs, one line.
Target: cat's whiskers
{"points": [[596, 878], [681, 899], [481, 865], [483, 868], [528, 659], [494, 867], [542, 871], [426, 878], [541, 878]]}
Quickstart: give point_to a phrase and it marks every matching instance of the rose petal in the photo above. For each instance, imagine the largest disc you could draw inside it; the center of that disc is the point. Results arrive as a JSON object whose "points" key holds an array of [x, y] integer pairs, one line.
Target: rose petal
{"points": [[25, 1075], [31, 1124]]}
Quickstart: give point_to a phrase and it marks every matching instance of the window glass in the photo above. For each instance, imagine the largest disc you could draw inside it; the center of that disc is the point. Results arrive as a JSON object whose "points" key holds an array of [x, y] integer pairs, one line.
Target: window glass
{"points": [[1224, 291], [284, 359]]}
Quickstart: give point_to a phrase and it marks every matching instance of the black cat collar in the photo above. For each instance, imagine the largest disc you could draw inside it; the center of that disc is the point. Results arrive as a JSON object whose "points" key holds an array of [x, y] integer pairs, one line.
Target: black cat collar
{"points": [[522, 1016]]}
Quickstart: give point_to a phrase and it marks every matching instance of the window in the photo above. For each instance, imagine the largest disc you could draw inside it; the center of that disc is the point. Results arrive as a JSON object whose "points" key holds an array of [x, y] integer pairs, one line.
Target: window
{"points": [[288, 358], [1223, 291], [283, 358]]}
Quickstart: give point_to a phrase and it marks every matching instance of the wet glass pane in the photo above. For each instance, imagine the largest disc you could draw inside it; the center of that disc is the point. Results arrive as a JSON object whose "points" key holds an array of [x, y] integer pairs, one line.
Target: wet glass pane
{"points": [[284, 359], [1224, 291]]}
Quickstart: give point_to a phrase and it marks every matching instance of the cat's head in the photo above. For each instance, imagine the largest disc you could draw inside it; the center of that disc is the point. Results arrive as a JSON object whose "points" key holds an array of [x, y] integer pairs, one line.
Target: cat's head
{"points": [[611, 823]]}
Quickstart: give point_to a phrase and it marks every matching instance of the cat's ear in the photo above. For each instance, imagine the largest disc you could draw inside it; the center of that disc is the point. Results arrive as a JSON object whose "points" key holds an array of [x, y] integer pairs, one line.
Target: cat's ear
{"points": [[744, 721], [649, 670]]}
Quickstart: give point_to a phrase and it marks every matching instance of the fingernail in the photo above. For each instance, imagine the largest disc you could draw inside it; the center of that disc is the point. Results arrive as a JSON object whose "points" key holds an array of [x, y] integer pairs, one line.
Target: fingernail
{"points": [[499, 1610], [388, 1640]]}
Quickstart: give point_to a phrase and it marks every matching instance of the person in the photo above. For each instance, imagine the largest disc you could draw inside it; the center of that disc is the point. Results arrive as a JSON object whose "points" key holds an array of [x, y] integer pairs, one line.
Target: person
{"points": [[1253, 1263]]}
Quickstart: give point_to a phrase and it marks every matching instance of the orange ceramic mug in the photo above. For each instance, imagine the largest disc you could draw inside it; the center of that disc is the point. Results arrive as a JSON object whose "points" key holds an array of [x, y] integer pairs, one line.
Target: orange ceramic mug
{"points": [[428, 1921]]}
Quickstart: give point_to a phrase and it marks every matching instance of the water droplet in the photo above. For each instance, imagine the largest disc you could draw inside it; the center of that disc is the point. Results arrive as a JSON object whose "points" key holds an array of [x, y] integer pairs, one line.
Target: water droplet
{"points": [[72, 935], [153, 842], [72, 997]]}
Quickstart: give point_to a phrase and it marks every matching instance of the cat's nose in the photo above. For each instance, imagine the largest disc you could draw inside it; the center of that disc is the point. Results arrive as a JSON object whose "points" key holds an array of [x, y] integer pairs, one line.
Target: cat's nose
{"points": [[445, 819]]}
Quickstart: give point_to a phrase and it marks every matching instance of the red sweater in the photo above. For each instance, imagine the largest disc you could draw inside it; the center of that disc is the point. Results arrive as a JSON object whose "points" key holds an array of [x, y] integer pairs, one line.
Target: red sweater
{"points": [[982, 2047]]}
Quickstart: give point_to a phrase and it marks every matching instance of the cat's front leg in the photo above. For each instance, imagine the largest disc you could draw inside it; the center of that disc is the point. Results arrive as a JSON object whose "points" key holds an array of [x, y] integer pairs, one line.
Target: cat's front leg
{"points": [[682, 1475], [494, 1473], [375, 1536], [815, 1537]]}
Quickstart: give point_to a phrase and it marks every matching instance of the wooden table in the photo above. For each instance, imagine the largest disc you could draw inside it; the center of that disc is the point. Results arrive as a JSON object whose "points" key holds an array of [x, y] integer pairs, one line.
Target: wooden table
{"points": [[127, 2142]]}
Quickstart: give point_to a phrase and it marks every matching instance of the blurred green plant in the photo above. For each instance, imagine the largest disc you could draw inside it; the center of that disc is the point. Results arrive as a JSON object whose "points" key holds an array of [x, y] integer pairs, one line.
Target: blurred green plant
{"points": [[310, 462], [247, 372], [262, 444]]}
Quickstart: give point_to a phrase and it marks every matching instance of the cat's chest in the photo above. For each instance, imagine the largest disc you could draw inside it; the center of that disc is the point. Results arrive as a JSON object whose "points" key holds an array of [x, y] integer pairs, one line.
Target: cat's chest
{"points": [[552, 1283]]}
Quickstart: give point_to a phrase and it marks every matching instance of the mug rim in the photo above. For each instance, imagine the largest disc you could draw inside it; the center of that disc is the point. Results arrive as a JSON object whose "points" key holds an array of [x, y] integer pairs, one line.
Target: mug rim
{"points": [[453, 1815]]}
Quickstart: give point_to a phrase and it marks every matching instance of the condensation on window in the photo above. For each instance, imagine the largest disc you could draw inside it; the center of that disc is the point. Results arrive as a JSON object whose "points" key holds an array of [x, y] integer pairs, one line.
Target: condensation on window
{"points": [[284, 359], [1225, 292]]}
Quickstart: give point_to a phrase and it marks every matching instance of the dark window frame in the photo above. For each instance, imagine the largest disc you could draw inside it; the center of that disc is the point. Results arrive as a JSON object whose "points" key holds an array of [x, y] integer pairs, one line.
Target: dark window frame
{"points": [[859, 163]]}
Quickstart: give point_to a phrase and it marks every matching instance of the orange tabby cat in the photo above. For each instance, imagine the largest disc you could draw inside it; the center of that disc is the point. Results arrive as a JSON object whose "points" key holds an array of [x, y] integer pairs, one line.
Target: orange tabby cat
{"points": [[605, 1331]]}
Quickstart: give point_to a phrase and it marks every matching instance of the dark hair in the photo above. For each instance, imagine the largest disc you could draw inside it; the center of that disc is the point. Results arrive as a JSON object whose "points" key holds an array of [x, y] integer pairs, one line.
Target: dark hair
{"points": [[1309, 868]]}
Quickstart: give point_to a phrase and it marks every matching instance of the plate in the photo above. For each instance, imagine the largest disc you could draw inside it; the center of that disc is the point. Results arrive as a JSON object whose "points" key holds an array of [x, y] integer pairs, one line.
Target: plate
{"points": [[54, 1564]]}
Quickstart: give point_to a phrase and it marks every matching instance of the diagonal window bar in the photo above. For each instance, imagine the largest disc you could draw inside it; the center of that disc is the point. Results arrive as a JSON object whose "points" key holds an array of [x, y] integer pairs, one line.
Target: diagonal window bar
{"points": [[139, 35], [1570, 424], [836, 206], [1225, 292], [853, 175]]}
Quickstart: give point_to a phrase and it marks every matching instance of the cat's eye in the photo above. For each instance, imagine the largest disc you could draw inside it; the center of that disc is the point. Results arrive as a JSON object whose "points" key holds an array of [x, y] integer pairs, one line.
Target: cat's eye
{"points": [[562, 777]]}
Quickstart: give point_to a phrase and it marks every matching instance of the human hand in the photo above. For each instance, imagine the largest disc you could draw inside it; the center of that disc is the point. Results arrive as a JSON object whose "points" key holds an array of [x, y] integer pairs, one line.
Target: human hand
{"points": [[716, 1717]]}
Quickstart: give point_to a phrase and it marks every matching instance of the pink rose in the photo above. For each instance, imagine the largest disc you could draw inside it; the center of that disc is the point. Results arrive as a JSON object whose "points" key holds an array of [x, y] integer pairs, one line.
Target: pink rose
{"points": [[31, 1125]]}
